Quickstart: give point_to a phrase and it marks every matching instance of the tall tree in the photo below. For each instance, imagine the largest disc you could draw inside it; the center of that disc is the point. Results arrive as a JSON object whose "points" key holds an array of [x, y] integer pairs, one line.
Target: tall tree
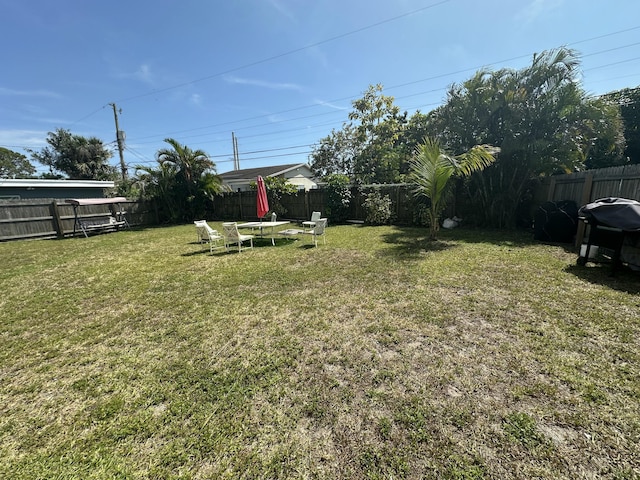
{"points": [[14, 165], [378, 124], [183, 181], [367, 148], [606, 129], [539, 117], [432, 169], [78, 157], [158, 184], [336, 153], [628, 100]]}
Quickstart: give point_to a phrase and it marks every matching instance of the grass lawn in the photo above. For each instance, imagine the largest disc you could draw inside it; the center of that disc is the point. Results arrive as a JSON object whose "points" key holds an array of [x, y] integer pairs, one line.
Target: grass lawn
{"points": [[379, 355]]}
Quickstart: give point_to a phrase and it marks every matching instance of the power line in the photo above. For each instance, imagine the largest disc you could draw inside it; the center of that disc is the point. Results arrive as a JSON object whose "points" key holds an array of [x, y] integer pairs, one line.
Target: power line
{"points": [[290, 52], [611, 64], [350, 97], [387, 88], [434, 77]]}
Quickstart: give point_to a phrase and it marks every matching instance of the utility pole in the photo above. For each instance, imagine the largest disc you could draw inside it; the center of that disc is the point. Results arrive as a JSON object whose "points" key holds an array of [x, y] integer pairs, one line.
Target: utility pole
{"points": [[120, 140], [235, 144], [236, 157]]}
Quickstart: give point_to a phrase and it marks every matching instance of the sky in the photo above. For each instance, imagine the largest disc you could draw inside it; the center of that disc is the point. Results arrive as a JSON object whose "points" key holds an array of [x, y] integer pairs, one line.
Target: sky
{"points": [[279, 74]]}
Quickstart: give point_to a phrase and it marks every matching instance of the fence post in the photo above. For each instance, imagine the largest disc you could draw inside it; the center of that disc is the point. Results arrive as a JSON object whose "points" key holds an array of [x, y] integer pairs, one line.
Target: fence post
{"points": [[586, 197], [307, 213], [57, 221], [552, 190]]}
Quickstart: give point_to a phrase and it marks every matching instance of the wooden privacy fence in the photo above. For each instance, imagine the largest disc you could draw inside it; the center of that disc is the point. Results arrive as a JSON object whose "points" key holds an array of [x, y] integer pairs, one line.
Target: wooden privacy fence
{"points": [[242, 205], [53, 218], [586, 187], [299, 206]]}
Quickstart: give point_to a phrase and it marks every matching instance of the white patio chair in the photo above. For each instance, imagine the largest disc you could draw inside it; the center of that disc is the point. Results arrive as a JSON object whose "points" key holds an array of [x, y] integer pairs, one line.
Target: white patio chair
{"points": [[233, 236], [318, 231], [199, 223], [315, 216], [206, 234]]}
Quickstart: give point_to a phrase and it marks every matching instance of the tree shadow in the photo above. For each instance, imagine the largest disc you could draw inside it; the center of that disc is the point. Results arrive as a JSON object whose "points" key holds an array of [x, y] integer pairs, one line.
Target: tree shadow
{"points": [[624, 279], [410, 243], [514, 238]]}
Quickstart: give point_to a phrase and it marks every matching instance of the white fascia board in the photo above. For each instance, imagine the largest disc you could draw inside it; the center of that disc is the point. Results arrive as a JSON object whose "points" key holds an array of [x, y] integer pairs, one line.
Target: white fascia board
{"points": [[49, 183]]}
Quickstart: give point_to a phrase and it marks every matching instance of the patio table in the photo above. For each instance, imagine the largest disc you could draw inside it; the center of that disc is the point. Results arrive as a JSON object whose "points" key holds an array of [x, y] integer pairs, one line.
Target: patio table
{"points": [[264, 225]]}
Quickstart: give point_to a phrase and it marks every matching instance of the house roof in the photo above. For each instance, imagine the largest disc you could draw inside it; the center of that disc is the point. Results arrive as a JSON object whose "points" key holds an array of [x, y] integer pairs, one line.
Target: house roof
{"points": [[49, 183], [252, 173]]}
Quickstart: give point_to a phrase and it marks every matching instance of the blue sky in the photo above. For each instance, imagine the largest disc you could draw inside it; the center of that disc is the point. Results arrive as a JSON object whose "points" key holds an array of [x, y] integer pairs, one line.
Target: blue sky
{"points": [[279, 73]]}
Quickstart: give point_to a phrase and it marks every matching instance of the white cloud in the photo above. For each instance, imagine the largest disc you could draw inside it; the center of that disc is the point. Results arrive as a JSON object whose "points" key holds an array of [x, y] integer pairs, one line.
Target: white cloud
{"points": [[537, 8], [330, 105], [275, 118], [23, 138], [283, 10], [142, 74], [318, 56], [196, 100], [28, 93], [262, 83]]}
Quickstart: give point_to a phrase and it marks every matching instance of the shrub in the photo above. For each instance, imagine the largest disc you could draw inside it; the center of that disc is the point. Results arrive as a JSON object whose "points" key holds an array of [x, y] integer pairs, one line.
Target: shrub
{"points": [[338, 190], [377, 208]]}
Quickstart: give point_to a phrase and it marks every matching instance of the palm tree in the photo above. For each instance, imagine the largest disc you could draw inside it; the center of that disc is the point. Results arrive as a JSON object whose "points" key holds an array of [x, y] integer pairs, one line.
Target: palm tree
{"points": [[432, 168], [190, 164], [158, 183], [195, 177]]}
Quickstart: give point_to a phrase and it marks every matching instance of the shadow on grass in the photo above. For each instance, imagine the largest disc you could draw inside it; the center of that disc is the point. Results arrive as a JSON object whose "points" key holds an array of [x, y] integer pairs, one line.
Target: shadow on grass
{"points": [[502, 237], [411, 242], [203, 252], [624, 279]]}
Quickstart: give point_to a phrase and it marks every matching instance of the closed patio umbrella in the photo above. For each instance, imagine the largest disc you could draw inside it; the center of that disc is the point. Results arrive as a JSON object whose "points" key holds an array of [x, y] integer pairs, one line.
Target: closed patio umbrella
{"points": [[263, 203]]}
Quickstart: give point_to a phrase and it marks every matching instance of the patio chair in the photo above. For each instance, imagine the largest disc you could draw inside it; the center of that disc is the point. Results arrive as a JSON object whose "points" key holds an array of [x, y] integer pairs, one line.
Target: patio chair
{"points": [[315, 216], [206, 234], [199, 223], [317, 231], [233, 236], [274, 217]]}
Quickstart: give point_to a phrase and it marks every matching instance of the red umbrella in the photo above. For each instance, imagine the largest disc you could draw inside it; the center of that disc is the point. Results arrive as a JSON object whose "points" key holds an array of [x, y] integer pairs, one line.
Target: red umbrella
{"points": [[263, 203]]}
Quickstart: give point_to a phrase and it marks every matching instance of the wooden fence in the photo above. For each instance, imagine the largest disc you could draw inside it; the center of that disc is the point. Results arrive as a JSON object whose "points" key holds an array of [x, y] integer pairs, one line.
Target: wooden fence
{"points": [[298, 206], [585, 187], [52, 218], [55, 219]]}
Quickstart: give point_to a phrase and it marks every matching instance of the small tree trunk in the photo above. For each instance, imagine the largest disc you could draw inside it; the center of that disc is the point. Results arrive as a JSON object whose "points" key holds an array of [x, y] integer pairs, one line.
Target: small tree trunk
{"points": [[434, 226]]}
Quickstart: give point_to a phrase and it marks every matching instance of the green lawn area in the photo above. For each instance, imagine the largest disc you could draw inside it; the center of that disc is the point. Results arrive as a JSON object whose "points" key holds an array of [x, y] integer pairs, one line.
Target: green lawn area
{"points": [[379, 355]]}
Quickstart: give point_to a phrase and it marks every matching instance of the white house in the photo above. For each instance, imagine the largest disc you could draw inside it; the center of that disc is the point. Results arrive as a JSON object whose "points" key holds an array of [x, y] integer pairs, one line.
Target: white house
{"points": [[299, 174]]}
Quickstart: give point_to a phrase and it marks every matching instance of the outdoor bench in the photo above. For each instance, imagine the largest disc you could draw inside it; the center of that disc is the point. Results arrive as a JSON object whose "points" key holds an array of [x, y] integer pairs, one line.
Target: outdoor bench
{"points": [[103, 223]]}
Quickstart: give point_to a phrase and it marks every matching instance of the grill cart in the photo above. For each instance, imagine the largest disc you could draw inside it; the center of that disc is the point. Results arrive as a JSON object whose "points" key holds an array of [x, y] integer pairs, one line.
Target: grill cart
{"points": [[613, 232]]}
